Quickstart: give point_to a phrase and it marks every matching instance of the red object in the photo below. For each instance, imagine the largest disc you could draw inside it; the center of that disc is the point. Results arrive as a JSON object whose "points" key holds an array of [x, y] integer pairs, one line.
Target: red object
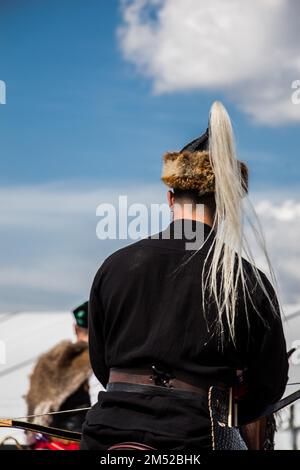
{"points": [[56, 445]]}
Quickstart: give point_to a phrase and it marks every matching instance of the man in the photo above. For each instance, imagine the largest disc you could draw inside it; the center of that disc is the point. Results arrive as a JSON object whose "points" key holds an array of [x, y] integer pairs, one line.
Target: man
{"points": [[60, 381], [175, 319]]}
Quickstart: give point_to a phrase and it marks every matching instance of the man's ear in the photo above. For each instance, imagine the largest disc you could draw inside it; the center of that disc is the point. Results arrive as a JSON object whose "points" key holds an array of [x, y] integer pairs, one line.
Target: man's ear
{"points": [[171, 199]]}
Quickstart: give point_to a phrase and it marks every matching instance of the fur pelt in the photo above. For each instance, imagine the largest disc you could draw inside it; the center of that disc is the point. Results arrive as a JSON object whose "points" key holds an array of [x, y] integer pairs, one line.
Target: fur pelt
{"points": [[192, 170], [57, 374]]}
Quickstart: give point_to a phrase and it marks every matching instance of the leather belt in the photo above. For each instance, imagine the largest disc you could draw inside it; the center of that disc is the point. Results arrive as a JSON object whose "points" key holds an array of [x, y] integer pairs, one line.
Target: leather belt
{"points": [[154, 376]]}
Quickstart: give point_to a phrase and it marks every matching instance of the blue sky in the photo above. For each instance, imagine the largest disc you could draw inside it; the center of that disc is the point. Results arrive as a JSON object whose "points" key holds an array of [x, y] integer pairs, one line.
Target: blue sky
{"points": [[76, 110], [89, 109]]}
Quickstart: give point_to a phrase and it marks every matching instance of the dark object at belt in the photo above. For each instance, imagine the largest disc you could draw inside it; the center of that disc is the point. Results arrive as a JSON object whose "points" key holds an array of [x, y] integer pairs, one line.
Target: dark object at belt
{"points": [[154, 376]]}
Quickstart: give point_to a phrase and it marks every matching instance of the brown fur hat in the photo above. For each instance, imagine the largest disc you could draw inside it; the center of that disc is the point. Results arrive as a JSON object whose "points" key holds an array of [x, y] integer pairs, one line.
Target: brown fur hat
{"points": [[57, 374], [192, 170]]}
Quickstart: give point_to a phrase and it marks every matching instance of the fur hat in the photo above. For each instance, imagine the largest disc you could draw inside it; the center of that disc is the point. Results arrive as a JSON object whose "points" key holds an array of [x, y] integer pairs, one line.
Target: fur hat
{"points": [[190, 168]]}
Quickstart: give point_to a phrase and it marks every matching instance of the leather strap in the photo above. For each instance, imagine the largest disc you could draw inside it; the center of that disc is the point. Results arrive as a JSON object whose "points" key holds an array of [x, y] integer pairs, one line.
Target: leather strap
{"points": [[156, 377], [153, 390], [131, 446]]}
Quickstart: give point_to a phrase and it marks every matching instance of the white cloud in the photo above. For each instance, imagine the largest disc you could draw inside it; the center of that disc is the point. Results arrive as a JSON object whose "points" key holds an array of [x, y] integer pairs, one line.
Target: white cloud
{"points": [[280, 221], [247, 50], [288, 210]]}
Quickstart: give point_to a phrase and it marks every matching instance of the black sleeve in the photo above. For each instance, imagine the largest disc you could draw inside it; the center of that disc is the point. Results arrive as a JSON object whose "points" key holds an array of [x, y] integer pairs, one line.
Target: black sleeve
{"points": [[267, 373], [96, 333]]}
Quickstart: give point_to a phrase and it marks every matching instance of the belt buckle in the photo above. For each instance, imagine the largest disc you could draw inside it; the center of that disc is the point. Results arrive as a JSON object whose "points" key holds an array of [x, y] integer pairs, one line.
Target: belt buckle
{"points": [[161, 378]]}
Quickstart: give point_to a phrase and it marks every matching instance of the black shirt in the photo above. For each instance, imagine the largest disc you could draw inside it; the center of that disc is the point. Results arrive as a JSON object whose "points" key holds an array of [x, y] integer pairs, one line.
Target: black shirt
{"points": [[146, 308]]}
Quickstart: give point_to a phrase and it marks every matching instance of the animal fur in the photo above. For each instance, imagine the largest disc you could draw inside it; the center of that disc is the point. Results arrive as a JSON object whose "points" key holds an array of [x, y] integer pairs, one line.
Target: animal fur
{"points": [[57, 374], [192, 170]]}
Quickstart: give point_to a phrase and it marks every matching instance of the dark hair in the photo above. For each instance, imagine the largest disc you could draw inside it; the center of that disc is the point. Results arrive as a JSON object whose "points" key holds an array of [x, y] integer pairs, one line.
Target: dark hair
{"points": [[192, 197]]}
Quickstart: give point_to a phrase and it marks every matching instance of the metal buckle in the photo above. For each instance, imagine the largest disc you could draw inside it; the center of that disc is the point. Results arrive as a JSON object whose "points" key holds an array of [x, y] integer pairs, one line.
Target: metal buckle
{"points": [[161, 377]]}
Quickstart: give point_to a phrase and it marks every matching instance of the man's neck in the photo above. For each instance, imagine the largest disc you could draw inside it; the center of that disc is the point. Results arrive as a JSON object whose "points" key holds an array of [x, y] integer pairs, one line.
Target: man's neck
{"points": [[205, 218]]}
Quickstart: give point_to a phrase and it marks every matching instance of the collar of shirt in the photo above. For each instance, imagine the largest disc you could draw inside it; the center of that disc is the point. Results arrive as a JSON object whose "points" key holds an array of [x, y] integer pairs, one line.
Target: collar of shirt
{"points": [[185, 234]]}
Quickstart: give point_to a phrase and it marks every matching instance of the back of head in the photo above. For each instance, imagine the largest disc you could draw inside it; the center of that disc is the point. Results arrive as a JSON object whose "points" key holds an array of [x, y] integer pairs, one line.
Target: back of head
{"points": [[190, 196]]}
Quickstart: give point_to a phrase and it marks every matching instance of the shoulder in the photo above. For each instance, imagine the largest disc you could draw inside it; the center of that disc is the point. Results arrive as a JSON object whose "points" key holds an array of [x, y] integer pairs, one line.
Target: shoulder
{"points": [[262, 297], [125, 252], [122, 257], [62, 354], [257, 279]]}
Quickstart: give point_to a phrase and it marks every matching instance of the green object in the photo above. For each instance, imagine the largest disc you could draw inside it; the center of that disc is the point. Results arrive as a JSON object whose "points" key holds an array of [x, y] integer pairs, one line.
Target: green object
{"points": [[81, 315]]}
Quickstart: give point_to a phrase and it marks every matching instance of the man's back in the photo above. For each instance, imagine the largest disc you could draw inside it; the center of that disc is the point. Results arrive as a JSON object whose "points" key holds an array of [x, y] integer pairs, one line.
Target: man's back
{"points": [[146, 309]]}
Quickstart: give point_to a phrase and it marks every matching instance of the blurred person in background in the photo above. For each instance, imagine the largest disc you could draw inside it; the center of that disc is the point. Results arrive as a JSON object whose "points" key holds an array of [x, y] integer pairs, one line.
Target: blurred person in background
{"points": [[62, 379]]}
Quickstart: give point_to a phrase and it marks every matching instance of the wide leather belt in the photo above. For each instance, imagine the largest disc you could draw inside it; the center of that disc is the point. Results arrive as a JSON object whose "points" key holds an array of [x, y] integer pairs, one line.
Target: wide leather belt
{"points": [[161, 378]]}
